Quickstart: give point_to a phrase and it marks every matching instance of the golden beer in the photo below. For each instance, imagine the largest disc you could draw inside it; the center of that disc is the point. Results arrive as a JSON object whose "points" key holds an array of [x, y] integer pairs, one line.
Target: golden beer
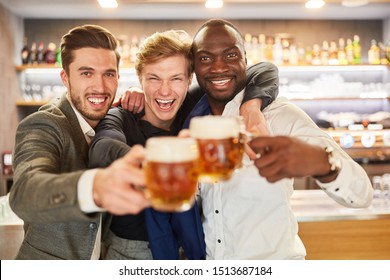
{"points": [[171, 173], [220, 146]]}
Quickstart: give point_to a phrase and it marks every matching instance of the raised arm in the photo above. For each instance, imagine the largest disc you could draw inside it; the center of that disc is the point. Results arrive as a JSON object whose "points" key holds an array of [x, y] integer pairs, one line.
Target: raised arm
{"points": [[262, 83], [261, 89], [109, 142]]}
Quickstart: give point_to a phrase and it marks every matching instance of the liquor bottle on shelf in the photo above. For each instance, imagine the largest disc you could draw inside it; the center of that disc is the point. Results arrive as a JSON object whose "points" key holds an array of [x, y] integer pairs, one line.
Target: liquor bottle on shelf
{"points": [[294, 56], [357, 50], [301, 54], [40, 53], [58, 57], [50, 53], [333, 54], [33, 54], [349, 51], [384, 59], [269, 49], [25, 53], [277, 51], [249, 48], [341, 54], [324, 53], [374, 53], [262, 48], [316, 55], [308, 55], [134, 49], [286, 51], [255, 49], [387, 50]]}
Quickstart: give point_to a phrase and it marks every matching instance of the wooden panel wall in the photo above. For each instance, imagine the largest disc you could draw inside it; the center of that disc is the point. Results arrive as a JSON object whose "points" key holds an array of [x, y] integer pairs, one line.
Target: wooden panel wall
{"points": [[346, 240]]}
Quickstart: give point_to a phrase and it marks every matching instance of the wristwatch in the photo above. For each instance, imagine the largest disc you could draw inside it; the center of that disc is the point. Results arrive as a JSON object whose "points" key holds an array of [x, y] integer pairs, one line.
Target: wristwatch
{"points": [[334, 162]]}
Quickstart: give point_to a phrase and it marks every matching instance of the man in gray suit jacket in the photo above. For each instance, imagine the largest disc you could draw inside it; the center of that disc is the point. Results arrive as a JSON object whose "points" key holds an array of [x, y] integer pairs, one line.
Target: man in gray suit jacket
{"points": [[59, 200]]}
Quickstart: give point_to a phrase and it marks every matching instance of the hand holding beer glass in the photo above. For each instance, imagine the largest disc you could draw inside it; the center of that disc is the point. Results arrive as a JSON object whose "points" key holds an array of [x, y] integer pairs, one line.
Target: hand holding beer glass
{"points": [[221, 146], [171, 172]]}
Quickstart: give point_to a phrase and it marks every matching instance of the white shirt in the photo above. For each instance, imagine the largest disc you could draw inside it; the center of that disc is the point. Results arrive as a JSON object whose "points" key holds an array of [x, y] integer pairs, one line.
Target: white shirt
{"points": [[85, 184], [250, 218]]}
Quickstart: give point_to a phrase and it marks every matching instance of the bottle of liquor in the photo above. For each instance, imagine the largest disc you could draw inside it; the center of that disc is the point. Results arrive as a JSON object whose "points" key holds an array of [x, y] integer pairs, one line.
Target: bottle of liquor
{"points": [[134, 49], [333, 54], [255, 49], [357, 50], [50, 53], [374, 53], [33, 54], [308, 55], [301, 54], [341, 54], [294, 57], [25, 54], [316, 55], [58, 57], [262, 48], [269, 49], [249, 48], [324, 53], [286, 51], [384, 59], [349, 51], [277, 51], [387, 50], [40, 53]]}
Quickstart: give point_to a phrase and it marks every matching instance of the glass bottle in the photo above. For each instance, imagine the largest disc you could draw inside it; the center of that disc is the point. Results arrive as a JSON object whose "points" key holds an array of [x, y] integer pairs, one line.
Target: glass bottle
{"points": [[333, 54], [50, 53], [277, 51], [25, 53], [262, 48], [316, 55], [357, 50], [349, 51], [40, 53], [374, 53], [33, 54], [324, 53], [341, 54]]}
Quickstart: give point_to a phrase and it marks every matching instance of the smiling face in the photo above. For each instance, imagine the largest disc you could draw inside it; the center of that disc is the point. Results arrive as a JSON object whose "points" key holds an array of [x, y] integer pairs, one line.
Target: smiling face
{"points": [[220, 64], [165, 84], [92, 82]]}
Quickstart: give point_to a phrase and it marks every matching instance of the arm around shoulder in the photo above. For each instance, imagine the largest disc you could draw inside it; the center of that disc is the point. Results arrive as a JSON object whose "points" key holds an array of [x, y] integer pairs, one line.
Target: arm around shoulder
{"points": [[262, 83]]}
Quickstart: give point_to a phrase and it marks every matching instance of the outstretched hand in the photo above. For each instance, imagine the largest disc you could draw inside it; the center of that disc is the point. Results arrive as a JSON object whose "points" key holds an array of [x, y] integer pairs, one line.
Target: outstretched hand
{"points": [[116, 188], [287, 157]]}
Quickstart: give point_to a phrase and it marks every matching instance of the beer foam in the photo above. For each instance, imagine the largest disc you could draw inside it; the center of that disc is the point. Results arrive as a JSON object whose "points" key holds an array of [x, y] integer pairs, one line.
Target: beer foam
{"points": [[214, 127], [171, 149]]}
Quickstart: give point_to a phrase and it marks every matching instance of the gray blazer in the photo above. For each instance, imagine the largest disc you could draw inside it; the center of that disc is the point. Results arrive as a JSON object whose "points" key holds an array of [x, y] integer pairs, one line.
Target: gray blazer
{"points": [[50, 155]]}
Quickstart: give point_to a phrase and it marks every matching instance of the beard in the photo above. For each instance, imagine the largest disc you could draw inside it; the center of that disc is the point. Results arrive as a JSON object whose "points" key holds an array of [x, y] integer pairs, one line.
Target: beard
{"points": [[87, 113]]}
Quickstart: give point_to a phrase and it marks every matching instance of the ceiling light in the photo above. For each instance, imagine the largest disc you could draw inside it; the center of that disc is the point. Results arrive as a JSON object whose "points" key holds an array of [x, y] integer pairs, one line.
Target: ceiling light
{"points": [[214, 4], [354, 3], [108, 3], [314, 4]]}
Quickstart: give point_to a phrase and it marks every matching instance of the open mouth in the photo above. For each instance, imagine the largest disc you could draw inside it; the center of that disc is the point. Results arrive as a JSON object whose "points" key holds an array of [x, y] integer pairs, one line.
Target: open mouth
{"points": [[221, 82], [96, 100], [165, 104]]}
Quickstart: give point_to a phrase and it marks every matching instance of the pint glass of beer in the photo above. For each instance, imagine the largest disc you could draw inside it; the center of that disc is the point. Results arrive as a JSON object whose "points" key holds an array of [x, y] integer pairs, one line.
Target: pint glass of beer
{"points": [[171, 173], [220, 146]]}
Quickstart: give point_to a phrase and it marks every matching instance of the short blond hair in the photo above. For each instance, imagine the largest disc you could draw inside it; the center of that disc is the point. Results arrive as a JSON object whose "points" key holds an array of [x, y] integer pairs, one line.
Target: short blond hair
{"points": [[163, 45]]}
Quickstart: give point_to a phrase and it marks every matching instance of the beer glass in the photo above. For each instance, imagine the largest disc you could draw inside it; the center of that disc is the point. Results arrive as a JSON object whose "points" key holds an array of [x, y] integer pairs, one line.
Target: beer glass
{"points": [[220, 144], [171, 173]]}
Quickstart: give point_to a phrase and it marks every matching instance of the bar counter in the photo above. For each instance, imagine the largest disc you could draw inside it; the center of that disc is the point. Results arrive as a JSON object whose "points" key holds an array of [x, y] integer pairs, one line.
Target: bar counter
{"points": [[331, 231], [328, 230]]}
